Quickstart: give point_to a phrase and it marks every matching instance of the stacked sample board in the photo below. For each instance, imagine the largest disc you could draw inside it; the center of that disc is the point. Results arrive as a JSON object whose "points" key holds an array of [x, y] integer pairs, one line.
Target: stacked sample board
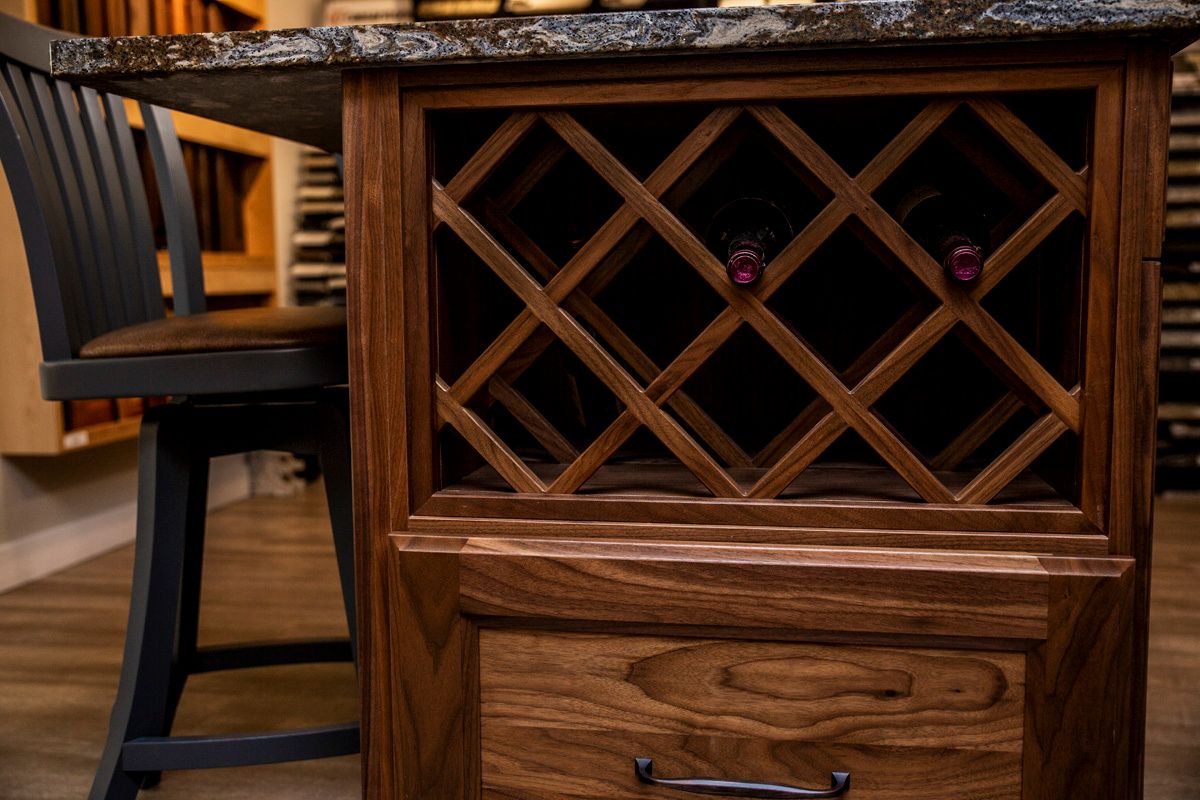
{"points": [[318, 270], [142, 17], [1179, 401]]}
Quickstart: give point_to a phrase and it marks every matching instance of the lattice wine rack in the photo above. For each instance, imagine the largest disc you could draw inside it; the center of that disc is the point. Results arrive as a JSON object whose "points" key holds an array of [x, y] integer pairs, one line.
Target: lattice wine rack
{"points": [[588, 341]]}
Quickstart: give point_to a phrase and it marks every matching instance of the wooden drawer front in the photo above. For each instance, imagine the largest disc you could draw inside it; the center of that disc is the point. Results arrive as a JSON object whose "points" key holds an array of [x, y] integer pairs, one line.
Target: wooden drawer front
{"points": [[564, 714], [540, 669]]}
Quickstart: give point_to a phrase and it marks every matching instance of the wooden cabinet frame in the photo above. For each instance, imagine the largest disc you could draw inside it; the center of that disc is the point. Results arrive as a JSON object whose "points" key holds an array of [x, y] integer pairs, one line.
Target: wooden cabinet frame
{"points": [[418, 617]]}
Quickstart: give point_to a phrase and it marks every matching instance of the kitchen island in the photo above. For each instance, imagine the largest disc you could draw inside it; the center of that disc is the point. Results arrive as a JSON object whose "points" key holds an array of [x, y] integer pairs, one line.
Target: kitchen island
{"points": [[628, 523]]}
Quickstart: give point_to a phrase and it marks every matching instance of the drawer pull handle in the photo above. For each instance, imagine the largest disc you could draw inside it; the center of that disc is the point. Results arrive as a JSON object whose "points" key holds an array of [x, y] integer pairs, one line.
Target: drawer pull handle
{"points": [[644, 767]]}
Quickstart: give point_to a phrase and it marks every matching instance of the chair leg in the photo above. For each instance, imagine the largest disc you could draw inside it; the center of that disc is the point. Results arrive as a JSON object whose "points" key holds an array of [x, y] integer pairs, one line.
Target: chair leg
{"points": [[189, 598], [334, 456], [167, 471]]}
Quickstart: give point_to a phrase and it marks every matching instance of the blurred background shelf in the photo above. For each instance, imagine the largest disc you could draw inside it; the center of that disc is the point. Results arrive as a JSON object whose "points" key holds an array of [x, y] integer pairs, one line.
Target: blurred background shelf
{"points": [[231, 175], [1179, 382]]}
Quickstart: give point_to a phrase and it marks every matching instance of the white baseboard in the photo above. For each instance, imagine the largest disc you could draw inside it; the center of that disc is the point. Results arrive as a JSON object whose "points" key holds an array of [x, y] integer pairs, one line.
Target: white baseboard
{"points": [[75, 541]]}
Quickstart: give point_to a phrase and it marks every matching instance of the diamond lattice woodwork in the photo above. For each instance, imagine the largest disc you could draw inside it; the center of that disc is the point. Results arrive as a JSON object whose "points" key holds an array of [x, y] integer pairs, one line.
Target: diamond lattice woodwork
{"points": [[561, 304]]}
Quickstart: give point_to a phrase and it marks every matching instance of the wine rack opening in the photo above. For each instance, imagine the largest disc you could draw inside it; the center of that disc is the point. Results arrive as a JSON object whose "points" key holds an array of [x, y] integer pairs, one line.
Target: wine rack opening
{"points": [[591, 337]]}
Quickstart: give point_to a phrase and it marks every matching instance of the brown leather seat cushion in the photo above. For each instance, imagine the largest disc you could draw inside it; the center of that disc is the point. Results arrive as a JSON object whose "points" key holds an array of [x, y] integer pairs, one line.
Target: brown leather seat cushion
{"points": [[217, 331]]}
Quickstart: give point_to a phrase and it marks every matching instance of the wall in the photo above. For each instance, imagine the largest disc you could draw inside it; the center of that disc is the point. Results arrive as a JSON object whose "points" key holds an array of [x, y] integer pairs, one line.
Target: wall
{"points": [[57, 511]]}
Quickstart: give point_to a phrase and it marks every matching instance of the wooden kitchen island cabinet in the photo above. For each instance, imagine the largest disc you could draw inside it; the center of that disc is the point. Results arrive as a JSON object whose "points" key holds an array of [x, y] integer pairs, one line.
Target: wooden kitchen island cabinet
{"points": [[628, 527], [855, 517]]}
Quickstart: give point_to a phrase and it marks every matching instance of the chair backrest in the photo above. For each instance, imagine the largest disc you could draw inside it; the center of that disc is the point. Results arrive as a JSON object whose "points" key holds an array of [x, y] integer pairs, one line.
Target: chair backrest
{"points": [[69, 156]]}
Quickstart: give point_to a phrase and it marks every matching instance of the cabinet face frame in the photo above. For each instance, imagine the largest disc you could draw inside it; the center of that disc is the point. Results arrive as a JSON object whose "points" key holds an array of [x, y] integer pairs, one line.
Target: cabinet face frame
{"points": [[1080, 529]]}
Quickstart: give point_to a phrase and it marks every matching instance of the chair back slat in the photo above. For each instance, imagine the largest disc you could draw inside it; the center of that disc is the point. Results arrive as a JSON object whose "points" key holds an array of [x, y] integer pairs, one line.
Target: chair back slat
{"points": [[77, 183], [59, 155], [129, 171], [179, 211], [102, 233], [133, 251], [58, 207], [40, 216]]}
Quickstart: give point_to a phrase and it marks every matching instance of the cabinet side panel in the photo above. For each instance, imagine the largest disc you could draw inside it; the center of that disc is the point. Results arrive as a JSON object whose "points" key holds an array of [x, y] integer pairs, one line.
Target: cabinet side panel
{"points": [[372, 156], [1147, 120]]}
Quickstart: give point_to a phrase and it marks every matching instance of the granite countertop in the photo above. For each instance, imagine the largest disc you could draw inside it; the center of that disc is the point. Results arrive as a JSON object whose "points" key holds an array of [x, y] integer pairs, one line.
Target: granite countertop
{"points": [[288, 82]]}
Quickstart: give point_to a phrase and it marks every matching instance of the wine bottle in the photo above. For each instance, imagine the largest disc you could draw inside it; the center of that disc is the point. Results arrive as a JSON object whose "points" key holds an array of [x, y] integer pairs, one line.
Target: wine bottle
{"points": [[748, 233], [942, 226]]}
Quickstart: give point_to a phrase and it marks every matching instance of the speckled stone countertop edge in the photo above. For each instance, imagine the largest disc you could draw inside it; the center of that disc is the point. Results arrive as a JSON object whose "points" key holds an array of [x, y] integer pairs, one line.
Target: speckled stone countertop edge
{"points": [[870, 22]]}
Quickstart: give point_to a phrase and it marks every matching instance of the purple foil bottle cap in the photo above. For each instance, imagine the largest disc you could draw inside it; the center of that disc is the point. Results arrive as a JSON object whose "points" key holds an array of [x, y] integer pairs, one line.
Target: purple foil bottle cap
{"points": [[745, 262], [964, 263]]}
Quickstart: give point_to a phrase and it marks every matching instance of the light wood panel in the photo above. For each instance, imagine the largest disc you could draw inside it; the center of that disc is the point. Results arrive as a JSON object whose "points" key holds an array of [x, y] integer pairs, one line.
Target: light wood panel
{"points": [[229, 274], [251, 8], [28, 424], [201, 130]]}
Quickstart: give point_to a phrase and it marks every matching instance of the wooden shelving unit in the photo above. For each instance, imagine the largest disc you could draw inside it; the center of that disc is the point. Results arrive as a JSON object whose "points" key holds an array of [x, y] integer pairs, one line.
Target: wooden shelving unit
{"points": [[243, 277]]}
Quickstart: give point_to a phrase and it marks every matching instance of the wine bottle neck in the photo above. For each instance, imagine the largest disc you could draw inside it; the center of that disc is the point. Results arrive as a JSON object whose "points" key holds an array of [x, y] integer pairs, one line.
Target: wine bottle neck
{"points": [[747, 257], [961, 259]]}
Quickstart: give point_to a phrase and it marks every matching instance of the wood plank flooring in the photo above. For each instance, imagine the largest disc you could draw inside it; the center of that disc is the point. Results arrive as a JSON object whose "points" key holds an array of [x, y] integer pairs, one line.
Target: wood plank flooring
{"points": [[1173, 726], [270, 573]]}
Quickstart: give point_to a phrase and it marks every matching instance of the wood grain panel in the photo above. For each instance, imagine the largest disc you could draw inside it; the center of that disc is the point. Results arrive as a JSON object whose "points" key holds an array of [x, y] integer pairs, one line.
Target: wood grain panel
{"points": [[1135, 387], [772, 691], [1080, 734], [370, 129], [785, 588], [1100, 299], [564, 713], [889, 81], [1050, 544], [866, 513], [1102, 53]]}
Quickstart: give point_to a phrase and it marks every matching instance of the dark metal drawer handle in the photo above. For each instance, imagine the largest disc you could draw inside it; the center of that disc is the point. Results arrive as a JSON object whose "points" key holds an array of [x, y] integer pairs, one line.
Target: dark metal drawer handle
{"points": [[644, 767]]}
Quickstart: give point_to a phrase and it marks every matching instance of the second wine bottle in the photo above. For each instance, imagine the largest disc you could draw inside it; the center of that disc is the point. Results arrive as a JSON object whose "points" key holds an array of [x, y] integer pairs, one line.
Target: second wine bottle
{"points": [[943, 226]]}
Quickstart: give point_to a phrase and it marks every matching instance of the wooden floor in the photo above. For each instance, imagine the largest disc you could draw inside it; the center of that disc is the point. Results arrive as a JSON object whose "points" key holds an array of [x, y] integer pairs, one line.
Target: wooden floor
{"points": [[1173, 727], [60, 647], [269, 573]]}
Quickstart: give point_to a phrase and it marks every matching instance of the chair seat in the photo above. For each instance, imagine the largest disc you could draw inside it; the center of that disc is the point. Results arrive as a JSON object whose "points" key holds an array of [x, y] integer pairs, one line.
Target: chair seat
{"points": [[217, 353], [224, 331]]}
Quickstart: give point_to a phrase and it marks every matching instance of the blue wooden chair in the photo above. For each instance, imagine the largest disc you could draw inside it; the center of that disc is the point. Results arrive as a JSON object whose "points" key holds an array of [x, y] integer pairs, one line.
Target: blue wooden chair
{"points": [[240, 380]]}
